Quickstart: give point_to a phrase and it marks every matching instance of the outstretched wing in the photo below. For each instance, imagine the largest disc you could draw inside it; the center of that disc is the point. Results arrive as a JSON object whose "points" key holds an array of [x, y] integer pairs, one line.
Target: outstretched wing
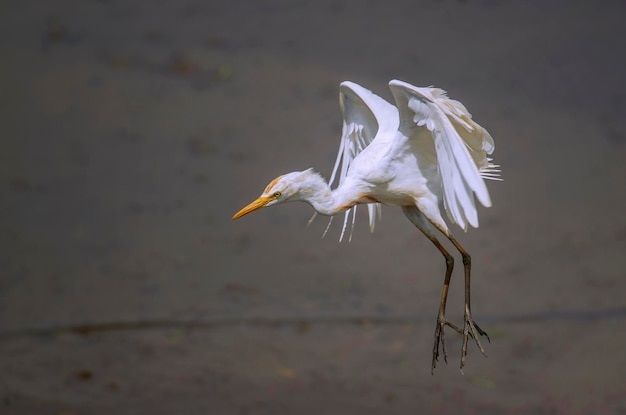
{"points": [[365, 114], [461, 147]]}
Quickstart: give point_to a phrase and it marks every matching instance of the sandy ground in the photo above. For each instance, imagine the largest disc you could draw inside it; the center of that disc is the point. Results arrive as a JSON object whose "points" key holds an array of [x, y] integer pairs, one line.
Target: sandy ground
{"points": [[133, 130]]}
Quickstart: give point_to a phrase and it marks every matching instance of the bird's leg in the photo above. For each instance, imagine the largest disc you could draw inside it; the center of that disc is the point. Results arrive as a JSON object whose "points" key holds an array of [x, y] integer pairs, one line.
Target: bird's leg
{"points": [[470, 328], [442, 321], [424, 225]]}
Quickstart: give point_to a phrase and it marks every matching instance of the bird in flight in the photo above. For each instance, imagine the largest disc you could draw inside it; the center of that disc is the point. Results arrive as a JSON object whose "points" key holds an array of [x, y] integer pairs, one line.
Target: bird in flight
{"points": [[425, 155]]}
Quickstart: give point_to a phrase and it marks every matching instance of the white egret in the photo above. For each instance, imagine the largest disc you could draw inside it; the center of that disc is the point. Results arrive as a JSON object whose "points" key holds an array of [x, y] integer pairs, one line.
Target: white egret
{"points": [[422, 155]]}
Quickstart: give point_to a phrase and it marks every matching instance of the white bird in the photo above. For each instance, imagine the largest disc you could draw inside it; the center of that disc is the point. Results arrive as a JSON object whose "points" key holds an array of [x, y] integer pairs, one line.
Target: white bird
{"points": [[422, 155]]}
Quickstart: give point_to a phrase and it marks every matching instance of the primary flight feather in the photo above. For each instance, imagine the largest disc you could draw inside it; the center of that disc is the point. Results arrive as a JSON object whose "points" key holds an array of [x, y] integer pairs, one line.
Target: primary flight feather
{"points": [[425, 155]]}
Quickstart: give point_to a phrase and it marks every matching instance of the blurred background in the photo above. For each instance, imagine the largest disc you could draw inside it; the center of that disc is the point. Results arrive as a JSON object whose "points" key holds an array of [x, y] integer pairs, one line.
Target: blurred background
{"points": [[133, 130]]}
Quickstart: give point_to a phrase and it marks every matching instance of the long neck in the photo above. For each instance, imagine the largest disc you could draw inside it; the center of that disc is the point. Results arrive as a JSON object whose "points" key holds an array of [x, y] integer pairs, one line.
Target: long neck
{"points": [[325, 201]]}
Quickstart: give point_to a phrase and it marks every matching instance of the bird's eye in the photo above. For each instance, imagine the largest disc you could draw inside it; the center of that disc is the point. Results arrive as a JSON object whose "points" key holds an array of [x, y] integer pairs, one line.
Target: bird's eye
{"points": [[276, 195]]}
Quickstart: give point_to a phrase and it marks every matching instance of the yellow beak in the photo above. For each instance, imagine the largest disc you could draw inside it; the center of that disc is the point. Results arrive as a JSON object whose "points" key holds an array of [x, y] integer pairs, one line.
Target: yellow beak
{"points": [[257, 204]]}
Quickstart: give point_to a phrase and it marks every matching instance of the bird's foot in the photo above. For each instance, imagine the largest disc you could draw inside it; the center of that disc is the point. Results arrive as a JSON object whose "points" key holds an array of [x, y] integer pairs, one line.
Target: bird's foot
{"points": [[442, 322], [471, 329]]}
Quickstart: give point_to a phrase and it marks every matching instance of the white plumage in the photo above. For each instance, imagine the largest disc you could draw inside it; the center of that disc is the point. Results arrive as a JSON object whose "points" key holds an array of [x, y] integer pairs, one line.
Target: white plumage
{"points": [[425, 155]]}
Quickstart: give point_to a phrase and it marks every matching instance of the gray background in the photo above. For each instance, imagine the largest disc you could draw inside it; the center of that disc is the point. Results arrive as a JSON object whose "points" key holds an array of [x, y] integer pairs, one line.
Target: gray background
{"points": [[133, 130]]}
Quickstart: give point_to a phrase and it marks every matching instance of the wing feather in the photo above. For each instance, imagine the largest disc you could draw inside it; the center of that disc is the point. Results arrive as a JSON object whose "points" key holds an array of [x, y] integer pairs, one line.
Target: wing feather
{"points": [[461, 147], [365, 114]]}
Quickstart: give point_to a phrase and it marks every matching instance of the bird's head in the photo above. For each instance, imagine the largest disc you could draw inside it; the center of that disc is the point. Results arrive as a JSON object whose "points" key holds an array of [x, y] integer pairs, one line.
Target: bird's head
{"points": [[289, 187]]}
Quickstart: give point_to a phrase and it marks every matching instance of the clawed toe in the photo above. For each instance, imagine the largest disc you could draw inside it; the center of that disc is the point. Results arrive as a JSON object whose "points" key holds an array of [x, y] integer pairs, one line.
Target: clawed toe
{"points": [[442, 322], [470, 330]]}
